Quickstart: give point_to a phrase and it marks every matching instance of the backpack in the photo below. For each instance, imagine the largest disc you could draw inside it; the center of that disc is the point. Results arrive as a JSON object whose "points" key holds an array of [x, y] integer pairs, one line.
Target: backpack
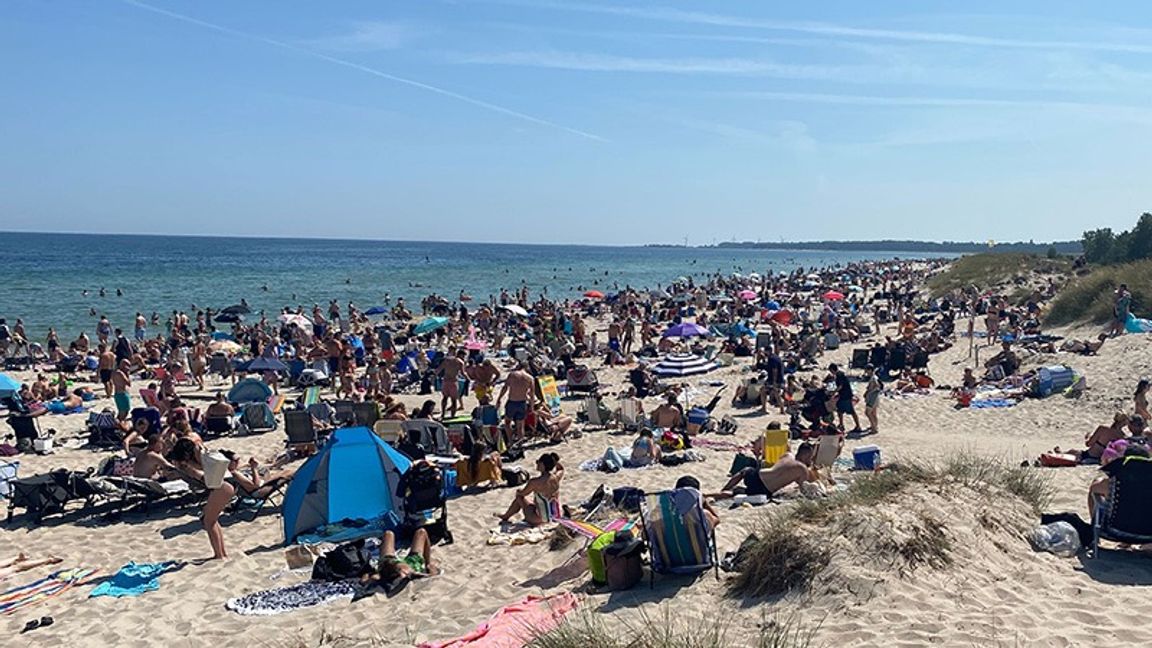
{"points": [[349, 560], [422, 487]]}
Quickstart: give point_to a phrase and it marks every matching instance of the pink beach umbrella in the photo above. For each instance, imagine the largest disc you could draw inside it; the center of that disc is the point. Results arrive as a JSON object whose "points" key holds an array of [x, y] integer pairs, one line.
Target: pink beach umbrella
{"points": [[832, 295], [748, 295]]}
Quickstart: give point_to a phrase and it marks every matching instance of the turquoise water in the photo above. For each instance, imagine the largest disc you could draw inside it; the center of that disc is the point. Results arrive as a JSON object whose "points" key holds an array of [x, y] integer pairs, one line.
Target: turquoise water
{"points": [[47, 273]]}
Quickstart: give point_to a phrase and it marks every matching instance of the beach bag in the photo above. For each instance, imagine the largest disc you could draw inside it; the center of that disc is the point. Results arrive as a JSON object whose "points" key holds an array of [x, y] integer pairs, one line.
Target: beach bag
{"points": [[727, 425], [349, 560], [623, 565], [215, 466], [596, 557]]}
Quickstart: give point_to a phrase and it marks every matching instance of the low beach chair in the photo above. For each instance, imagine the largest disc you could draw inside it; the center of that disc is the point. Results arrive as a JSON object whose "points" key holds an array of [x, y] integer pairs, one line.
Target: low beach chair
{"points": [[365, 414], [594, 415], [300, 432], [8, 472], [1123, 515], [151, 399], [389, 431], [630, 418], [219, 425], [220, 365], [680, 540], [276, 402], [311, 396], [345, 413], [256, 418], [145, 493]]}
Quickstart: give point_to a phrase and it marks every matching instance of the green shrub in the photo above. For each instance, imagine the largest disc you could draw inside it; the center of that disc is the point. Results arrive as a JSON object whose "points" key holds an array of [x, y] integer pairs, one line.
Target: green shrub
{"points": [[1089, 298]]}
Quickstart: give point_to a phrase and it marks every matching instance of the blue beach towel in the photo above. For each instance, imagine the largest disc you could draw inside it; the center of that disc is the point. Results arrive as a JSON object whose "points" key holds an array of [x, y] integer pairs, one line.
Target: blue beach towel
{"points": [[134, 579], [991, 403]]}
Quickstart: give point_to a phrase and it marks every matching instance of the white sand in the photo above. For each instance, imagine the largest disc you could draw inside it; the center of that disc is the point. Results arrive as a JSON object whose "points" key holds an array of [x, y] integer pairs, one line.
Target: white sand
{"points": [[1003, 597]]}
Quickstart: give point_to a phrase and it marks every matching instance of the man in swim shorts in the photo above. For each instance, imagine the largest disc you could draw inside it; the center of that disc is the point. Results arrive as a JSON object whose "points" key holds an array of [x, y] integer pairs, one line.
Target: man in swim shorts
{"points": [[520, 389], [121, 382], [768, 481], [449, 371], [107, 365]]}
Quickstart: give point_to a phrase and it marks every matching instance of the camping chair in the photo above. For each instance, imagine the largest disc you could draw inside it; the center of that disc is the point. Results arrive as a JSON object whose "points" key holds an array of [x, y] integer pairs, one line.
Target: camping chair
{"points": [[859, 358], [27, 430], [299, 430], [150, 414], [345, 413], [422, 489], [256, 418], [366, 413], [255, 501], [218, 425], [322, 412], [680, 540], [489, 429], [139, 491], [593, 414], [388, 430], [8, 472], [1123, 515], [151, 399], [103, 430], [430, 436], [220, 365], [630, 418]]}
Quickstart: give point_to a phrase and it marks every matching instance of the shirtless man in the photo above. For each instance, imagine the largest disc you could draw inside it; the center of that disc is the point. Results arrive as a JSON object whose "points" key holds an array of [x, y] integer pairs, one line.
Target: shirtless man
{"points": [[333, 350], [519, 386], [219, 407], [667, 415], [614, 331], [121, 383], [449, 372], [788, 470], [106, 366], [150, 462], [484, 377]]}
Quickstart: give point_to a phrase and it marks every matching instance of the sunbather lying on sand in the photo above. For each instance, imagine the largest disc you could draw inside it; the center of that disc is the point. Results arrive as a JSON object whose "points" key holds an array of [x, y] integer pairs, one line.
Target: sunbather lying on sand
{"points": [[788, 470], [1085, 347], [22, 563]]}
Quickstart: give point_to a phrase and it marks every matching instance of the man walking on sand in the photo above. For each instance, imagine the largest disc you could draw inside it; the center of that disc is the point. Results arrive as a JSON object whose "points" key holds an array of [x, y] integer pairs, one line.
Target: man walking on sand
{"points": [[106, 366], [121, 383], [520, 388], [449, 372]]}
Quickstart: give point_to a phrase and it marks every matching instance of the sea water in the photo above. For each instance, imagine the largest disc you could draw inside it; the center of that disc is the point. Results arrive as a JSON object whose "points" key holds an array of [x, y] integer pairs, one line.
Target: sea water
{"points": [[45, 275]]}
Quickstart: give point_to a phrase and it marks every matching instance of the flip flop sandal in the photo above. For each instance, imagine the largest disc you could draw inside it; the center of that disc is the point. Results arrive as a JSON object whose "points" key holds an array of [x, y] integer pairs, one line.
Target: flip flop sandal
{"points": [[31, 625], [46, 621]]}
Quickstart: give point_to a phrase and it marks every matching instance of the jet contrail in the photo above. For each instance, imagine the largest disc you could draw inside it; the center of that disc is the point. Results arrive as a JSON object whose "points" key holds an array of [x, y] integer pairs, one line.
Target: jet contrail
{"points": [[362, 68]]}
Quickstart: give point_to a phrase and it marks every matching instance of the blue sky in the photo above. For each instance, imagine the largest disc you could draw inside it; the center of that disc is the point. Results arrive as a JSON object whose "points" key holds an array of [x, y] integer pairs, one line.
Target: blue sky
{"points": [[572, 121]]}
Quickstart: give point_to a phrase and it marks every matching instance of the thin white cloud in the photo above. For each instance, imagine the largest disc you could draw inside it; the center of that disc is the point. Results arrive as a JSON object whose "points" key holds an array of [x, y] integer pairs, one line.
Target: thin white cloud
{"points": [[362, 68], [718, 66], [666, 14], [368, 36], [930, 102]]}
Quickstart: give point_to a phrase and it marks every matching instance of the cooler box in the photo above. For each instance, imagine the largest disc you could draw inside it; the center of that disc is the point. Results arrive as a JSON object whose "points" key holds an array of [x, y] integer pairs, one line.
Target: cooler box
{"points": [[775, 446], [866, 457], [1053, 379]]}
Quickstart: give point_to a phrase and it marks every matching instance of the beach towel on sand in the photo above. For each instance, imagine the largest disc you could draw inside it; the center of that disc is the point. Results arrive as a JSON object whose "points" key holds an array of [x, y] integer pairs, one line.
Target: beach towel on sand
{"points": [[513, 626], [293, 597], [134, 579], [520, 534], [19, 598]]}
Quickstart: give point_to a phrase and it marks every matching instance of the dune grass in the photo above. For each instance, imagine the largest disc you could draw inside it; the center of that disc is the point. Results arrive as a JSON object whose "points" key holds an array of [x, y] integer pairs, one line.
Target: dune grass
{"points": [[987, 270], [788, 554], [670, 630], [1089, 298]]}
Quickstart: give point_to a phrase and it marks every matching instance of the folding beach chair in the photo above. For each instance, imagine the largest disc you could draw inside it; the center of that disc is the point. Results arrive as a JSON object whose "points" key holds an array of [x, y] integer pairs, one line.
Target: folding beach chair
{"points": [[27, 430], [1123, 515], [425, 507], [270, 492], [220, 365], [151, 414], [680, 540], [145, 493], [256, 418], [389, 431], [299, 430], [8, 473], [219, 425], [151, 398], [345, 413], [365, 414], [430, 436], [593, 414], [630, 418]]}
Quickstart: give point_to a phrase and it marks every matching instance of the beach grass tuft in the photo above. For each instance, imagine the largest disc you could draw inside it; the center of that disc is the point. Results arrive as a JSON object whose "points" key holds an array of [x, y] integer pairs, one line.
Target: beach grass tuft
{"points": [[670, 630]]}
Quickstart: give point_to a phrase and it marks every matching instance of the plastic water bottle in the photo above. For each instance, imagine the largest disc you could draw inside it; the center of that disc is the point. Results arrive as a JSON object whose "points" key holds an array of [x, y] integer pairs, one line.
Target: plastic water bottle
{"points": [[1059, 538]]}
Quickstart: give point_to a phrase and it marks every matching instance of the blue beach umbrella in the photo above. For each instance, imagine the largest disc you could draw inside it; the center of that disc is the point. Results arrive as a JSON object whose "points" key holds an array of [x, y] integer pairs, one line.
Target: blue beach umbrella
{"points": [[8, 385], [376, 310], [429, 324], [265, 363]]}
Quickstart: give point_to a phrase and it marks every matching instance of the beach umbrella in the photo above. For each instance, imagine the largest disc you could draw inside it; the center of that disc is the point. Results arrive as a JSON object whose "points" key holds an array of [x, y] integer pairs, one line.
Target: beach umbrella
{"points": [[772, 305], [265, 363], [782, 317], [8, 384], [515, 309], [593, 294], [224, 346], [376, 310], [833, 295], [813, 277], [685, 329], [720, 299], [855, 289], [295, 318], [738, 329], [683, 364], [228, 318], [748, 295], [429, 324], [237, 309]]}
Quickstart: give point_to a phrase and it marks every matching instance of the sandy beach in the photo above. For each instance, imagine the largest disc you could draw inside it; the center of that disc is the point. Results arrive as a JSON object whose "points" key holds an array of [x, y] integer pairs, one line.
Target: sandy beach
{"points": [[997, 592]]}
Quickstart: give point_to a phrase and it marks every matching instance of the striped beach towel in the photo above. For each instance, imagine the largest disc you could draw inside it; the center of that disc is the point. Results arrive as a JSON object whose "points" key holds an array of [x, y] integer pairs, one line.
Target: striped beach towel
{"points": [[48, 587]]}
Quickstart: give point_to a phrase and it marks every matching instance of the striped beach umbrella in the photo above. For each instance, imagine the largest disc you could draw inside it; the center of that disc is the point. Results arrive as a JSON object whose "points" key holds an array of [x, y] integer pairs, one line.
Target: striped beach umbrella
{"points": [[683, 364]]}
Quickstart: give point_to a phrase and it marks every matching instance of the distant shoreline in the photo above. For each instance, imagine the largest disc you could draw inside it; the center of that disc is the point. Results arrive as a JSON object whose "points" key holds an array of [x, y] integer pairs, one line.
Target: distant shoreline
{"points": [[903, 246]]}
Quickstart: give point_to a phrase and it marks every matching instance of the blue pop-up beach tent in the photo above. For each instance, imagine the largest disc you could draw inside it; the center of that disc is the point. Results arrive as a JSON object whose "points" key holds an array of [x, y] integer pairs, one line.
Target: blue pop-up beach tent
{"points": [[354, 475]]}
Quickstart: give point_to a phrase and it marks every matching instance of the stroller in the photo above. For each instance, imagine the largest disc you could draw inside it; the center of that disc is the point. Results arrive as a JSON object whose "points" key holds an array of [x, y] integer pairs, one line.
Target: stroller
{"points": [[422, 489]]}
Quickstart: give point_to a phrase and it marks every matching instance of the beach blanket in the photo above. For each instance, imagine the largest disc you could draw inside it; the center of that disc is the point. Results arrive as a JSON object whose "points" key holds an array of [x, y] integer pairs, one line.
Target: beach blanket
{"points": [[19, 598], [134, 579], [991, 403], [722, 445], [294, 597], [520, 535], [349, 530], [513, 626]]}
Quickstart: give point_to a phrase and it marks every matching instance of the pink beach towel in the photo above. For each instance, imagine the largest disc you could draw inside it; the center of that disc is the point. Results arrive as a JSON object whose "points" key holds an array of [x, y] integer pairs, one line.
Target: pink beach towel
{"points": [[513, 626]]}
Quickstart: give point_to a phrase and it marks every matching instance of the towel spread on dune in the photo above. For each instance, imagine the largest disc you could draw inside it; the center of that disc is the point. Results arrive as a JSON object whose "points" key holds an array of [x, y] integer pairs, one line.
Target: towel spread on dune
{"points": [[513, 626], [520, 535], [293, 597], [19, 598], [134, 579]]}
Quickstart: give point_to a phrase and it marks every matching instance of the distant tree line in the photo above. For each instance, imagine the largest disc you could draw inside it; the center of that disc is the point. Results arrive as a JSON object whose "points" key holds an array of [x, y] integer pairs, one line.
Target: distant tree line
{"points": [[945, 247], [1105, 246]]}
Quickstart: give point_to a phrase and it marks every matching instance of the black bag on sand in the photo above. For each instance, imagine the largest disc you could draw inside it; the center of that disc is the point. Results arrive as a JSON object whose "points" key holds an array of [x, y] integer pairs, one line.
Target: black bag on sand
{"points": [[349, 560]]}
